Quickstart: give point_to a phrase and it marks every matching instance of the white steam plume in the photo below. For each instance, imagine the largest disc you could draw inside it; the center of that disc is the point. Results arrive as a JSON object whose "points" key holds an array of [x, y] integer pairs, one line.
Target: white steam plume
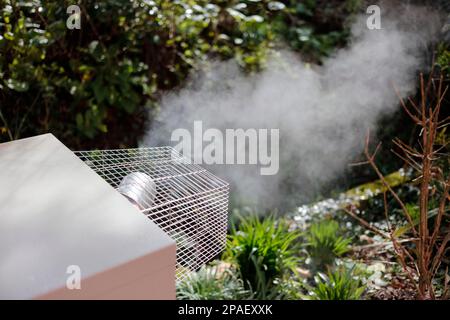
{"points": [[322, 112]]}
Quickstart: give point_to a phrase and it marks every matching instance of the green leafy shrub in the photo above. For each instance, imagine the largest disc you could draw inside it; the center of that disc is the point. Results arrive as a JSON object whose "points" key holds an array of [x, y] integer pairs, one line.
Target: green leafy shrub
{"points": [[317, 27], [340, 284], [209, 284], [264, 250], [324, 243], [99, 86]]}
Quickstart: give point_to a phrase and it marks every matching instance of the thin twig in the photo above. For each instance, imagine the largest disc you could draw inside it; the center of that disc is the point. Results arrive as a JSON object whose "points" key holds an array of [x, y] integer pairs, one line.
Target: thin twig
{"points": [[366, 224]]}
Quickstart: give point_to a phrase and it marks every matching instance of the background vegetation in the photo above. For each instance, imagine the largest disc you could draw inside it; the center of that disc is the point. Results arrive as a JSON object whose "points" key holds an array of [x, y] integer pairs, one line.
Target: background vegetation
{"points": [[97, 86]]}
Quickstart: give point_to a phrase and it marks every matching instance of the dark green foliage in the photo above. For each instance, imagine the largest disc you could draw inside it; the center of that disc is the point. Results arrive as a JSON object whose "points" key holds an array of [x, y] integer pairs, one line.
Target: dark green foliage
{"points": [[264, 250], [317, 27], [325, 244], [443, 59], [75, 83], [98, 86]]}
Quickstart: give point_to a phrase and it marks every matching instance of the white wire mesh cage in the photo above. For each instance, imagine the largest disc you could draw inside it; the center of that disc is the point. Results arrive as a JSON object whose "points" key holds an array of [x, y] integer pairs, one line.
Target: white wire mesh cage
{"points": [[189, 203]]}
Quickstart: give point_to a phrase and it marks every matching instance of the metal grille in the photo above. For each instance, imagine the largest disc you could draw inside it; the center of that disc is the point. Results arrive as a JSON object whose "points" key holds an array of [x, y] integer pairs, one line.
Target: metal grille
{"points": [[189, 203]]}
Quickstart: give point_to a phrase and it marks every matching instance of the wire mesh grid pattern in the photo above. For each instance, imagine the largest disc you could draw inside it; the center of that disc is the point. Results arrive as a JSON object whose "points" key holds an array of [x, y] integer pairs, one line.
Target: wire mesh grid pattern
{"points": [[189, 203]]}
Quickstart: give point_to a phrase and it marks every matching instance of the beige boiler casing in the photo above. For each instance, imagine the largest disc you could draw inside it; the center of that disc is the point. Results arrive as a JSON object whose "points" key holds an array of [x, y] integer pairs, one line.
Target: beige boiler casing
{"points": [[56, 213]]}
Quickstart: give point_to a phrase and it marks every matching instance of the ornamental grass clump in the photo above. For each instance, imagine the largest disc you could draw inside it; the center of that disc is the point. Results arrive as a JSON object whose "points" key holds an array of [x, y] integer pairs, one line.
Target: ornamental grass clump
{"points": [[264, 250], [324, 243]]}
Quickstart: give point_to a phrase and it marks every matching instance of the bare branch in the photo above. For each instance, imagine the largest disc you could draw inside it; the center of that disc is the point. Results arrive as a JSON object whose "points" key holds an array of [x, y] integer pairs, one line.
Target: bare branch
{"points": [[388, 187], [366, 224]]}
